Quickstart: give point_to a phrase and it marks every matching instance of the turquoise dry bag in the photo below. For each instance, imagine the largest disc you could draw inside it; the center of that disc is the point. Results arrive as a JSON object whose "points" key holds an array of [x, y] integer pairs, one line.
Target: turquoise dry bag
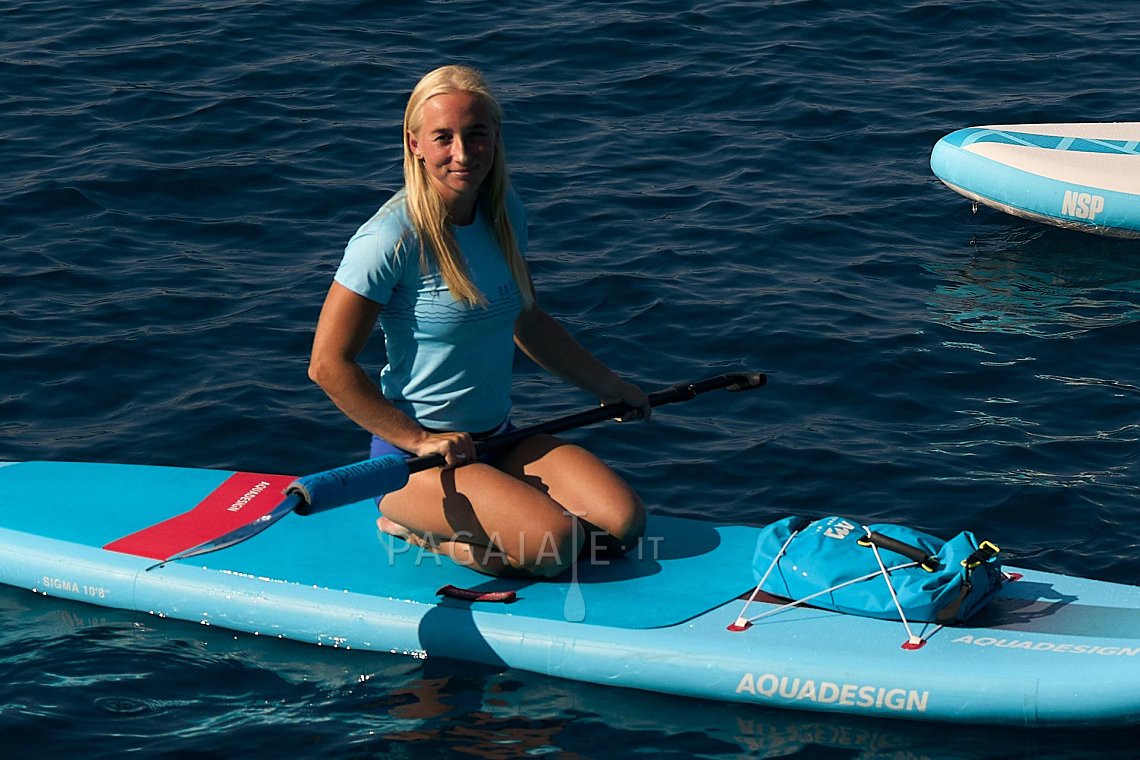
{"points": [[941, 581]]}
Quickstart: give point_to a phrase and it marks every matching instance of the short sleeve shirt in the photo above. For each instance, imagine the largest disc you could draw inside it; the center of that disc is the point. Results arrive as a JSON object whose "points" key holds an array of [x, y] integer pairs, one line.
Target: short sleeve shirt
{"points": [[449, 364]]}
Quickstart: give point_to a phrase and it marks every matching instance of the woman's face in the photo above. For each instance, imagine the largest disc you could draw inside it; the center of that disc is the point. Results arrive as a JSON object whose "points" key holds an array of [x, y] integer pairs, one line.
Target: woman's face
{"points": [[456, 141]]}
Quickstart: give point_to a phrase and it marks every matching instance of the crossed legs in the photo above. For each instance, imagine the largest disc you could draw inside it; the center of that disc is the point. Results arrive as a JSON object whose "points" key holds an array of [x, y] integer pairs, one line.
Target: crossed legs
{"points": [[530, 515]]}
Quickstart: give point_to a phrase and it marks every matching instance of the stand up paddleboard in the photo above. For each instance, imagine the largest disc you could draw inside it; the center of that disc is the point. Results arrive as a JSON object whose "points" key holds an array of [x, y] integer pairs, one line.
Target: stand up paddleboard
{"points": [[1080, 176], [1049, 650]]}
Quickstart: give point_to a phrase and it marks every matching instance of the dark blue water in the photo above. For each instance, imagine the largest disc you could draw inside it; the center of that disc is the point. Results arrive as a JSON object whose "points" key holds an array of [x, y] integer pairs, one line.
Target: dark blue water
{"points": [[731, 185]]}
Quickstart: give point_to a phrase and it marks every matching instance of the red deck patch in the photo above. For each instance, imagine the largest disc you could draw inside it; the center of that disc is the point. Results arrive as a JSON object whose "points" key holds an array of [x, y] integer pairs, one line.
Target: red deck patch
{"points": [[241, 499]]}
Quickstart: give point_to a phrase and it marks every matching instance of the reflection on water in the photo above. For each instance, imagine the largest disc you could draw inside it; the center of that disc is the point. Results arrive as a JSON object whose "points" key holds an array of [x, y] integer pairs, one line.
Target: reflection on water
{"points": [[510, 714], [1032, 327], [307, 701], [1036, 281]]}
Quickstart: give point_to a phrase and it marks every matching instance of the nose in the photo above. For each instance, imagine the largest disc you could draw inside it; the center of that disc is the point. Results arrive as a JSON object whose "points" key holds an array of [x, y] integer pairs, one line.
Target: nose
{"points": [[459, 151]]}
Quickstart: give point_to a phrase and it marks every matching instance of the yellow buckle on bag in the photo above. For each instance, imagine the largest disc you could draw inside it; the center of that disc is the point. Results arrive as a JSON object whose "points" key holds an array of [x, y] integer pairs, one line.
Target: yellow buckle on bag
{"points": [[985, 552]]}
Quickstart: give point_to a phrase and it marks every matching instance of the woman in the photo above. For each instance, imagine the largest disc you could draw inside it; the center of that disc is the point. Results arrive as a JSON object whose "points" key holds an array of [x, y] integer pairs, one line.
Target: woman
{"points": [[441, 267]]}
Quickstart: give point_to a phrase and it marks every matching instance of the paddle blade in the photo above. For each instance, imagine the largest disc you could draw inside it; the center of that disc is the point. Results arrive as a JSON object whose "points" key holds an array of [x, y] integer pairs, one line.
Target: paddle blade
{"points": [[237, 535], [349, 484]]}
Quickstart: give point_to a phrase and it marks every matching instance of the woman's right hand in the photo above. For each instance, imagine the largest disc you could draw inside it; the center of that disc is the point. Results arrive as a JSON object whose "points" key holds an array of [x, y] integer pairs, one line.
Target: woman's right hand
{"points": [[457, 448]]}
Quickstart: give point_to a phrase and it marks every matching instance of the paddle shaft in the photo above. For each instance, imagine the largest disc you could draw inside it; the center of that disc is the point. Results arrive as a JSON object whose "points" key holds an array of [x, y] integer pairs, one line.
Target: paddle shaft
{"points": [[376, 477], [670, 395]]}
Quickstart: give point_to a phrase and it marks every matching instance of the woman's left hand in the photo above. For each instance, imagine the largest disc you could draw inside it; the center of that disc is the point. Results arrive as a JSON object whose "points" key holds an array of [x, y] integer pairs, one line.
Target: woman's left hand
{"points": [[628, 393]]}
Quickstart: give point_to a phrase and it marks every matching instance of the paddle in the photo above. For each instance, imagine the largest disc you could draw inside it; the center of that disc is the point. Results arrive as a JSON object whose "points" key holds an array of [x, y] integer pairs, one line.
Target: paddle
{"points": [[372, 478]]}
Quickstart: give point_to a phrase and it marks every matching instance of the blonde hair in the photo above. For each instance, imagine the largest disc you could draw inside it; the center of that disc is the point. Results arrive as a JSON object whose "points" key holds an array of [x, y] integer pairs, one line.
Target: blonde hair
{"points": [[425, 207]]}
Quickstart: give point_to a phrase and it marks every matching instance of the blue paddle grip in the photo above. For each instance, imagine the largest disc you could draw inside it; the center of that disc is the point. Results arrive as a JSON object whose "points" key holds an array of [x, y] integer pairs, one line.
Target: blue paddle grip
{"points": [[349, 484]]}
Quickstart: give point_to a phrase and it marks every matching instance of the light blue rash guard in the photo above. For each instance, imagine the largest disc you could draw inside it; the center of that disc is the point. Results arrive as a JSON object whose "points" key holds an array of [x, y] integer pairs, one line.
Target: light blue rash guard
{"points": [[449, 364]]}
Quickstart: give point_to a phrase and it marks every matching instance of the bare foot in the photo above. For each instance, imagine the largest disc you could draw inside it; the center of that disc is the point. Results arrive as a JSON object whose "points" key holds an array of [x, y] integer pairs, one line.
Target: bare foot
{"points": [[394, 529]]}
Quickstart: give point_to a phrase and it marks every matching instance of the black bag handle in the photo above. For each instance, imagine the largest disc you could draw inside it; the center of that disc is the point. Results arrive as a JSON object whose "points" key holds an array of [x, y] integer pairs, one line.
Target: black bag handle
{"points": [[913, 553]]}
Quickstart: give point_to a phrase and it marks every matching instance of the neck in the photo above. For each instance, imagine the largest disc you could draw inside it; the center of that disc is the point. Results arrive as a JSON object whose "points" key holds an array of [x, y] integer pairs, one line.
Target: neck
{"points": [[461, 212]]}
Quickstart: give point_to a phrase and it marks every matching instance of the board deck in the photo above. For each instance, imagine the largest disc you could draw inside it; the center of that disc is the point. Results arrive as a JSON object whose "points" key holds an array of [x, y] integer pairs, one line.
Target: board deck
{"points": [[1082, 176], [1050, 650]]}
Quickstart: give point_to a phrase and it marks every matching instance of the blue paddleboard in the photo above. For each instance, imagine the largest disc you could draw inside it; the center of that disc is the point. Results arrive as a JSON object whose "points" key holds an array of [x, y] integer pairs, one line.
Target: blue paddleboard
{"points": [[1050, 650], [1081, 176]]}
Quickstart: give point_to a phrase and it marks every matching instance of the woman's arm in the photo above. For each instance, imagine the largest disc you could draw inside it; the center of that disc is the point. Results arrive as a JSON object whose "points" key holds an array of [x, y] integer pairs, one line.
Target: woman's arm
{"points": [[345, 324], [552, 347]]}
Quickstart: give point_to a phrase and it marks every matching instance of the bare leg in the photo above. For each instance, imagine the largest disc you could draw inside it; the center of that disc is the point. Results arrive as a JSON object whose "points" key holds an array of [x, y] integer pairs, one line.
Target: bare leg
{"points": [[485, 519], [611, 512], [529, 518]]}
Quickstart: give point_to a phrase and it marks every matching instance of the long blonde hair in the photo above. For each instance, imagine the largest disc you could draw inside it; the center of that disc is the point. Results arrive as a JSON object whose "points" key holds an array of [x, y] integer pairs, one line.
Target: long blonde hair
{"points": [[425, 207]]}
